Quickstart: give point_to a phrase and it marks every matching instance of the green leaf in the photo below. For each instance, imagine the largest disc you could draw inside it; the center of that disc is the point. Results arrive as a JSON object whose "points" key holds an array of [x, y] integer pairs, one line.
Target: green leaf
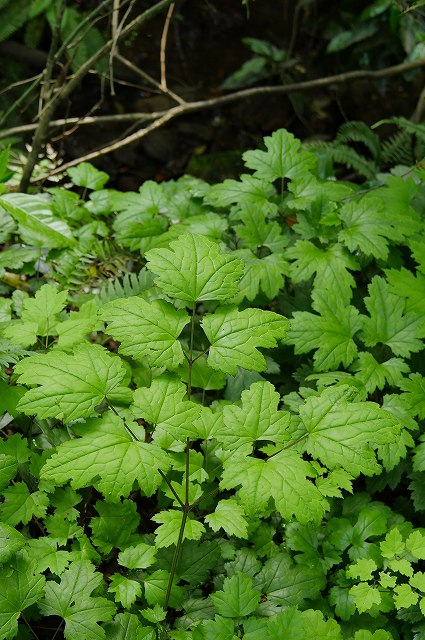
{"points": [[115, 525], [126, 626], [284, 477], [342, 433], [39, 316], [407, 285], [86, 175], [71, 599], [284, 158], [418, 581], [79, 324], [45, 554], [375, 375], [71, 386], [218, 629], [393, 544], [8, 469], [107, 455], [362, 569], [126, 591], [156, 587], [140, 556], [194, 269], [20, 505], [235, 337], [302, 625], [256, 419], [21, 589], [331, 332], [147, 331], [261, 273], [237, 598], [329, 265], [414, 395], [10, 541], [256, 232], [163, 406], [37, 225], [247, 190], [388, 323], [415, 544], [168, 531], [230, 516], [365, 596], [404, 597]]}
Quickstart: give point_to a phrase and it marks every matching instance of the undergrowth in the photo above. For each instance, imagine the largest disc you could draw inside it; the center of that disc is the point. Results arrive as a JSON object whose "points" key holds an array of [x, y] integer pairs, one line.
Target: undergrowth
{"points": [[211, 401]]}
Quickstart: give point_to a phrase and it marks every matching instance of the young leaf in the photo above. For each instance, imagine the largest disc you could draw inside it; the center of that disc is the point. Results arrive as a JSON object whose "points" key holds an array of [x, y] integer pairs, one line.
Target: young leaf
{"points": [[388, 323], [344, 434], [147, 330], [365, 596], [20, 505], [168, 531], [139, 557], [230, 516], [257, 419], [331, 332], [284, 158], [126, 591], [70, 385], [238, 598], [235, 337], [107, 454], [375, 375], [162, 405], [22, 589], [86, 175], [71, 599], [194, 269]]}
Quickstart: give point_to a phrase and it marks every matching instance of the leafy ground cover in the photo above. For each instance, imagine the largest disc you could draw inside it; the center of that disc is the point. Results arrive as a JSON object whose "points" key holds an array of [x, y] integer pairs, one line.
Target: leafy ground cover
{"points": [[211, 399]]}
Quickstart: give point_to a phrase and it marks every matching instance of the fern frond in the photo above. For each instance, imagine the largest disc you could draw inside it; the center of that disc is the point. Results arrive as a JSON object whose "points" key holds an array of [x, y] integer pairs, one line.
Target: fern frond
{"points": [[397, 149], [414, 129], [345, 155], [357, 131], [12, 16], [72, 268], [132, 284]]}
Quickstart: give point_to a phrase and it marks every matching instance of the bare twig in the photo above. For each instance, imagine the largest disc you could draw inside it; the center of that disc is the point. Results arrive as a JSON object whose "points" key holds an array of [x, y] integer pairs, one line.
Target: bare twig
{"points": [[148, 78], [189, 107], [47, 113], [163, 47]]}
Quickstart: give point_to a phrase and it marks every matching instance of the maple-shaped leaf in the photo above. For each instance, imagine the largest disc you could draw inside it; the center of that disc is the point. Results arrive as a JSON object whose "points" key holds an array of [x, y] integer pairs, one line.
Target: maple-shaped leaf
{"points": [[256, 231], [368, 226], [413, 397], [265, 274], [235, 337], [247, 190], [10, 541], [388, 323], [20, 505], [168, 531], [375, 375], [22, 586], [109, 456], [140, 556], [39, 316], [284, 158], [195, 269], [230, 516], [284, 477], [256, 419], [163, 406], [126, 591], [344, 434], [147, 330], [86, 175], [125, 626], [405, 284], [303, 625], [331, 332], [329, 265], [106, 535], [237, 598], [70, 385], [365, 596], [44, 552], [79, 324], [71, 600]]}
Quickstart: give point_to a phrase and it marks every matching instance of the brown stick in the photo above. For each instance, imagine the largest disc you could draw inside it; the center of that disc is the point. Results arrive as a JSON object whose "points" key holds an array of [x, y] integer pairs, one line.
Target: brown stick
{"points": [[189, 107]]}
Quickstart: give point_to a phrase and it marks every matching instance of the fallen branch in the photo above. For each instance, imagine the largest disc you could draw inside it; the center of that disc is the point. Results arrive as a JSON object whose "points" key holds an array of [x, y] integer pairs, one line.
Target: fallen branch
{"points": [[162, 117]]}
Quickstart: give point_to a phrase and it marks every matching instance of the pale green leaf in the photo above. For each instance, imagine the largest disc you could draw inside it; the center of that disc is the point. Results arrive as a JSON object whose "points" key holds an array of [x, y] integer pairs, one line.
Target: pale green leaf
{"points": [[10, 541], [362, 569], [230, 516], [163, 406], [79, 325], [147, 331], [71, 386], [344, 434], [247, 190], [126, 591], [256, 231], [265, 274], [365, 596], [37, 224], [257, 418], [168, 531], [237, 598], [140, 556], [410, 286], [375, 375], [302, 625], [388, 323], [20, 505], [393, 544], [415, 544], [404, 597], [194, 269], [235, 337], [107, 455], [331, 332], [417, 581], [284, 158], [414, 395], [86, 175]]}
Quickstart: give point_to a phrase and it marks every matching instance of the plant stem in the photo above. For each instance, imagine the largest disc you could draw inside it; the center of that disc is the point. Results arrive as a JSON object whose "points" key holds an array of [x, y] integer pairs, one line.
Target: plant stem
{"points": [[176, 556], [190, 359]]}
